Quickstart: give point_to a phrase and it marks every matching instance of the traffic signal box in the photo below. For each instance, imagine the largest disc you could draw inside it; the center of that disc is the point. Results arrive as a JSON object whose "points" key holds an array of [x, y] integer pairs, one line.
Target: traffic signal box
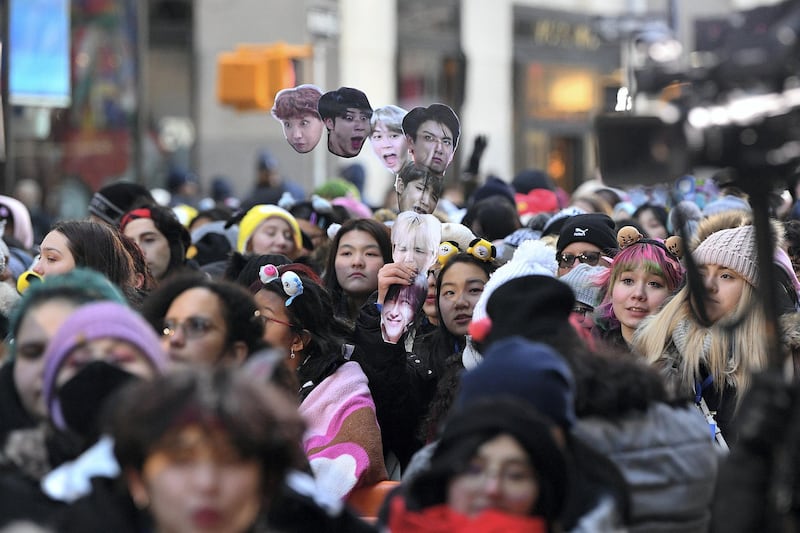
{"points": [[249, 77]]}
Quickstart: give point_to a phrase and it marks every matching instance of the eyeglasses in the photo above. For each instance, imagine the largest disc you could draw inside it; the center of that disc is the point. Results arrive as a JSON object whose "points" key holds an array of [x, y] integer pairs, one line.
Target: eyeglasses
{"points": [[589, 258], [267, 319], [583, 311], [192, 328]]}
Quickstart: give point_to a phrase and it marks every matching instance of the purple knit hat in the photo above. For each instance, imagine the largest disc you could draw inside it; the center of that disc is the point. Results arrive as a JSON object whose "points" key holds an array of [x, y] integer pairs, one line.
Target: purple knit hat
{"points": [[90, 322]]}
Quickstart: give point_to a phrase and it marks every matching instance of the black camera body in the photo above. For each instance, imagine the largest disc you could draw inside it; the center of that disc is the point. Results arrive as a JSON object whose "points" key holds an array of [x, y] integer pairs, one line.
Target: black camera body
{"points": [[737, 107]]}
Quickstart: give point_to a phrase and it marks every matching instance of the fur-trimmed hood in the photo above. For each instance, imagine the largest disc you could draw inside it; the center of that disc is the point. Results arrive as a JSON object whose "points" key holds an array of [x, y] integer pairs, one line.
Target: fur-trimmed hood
{"points": [[728, 220], [790, 332]]}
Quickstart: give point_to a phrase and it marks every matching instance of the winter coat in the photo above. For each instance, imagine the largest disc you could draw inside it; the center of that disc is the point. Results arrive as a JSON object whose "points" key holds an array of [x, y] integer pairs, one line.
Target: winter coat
{"points": [[12, 414], [343, 440], [722, 402], [402, 384], [668, 460]]}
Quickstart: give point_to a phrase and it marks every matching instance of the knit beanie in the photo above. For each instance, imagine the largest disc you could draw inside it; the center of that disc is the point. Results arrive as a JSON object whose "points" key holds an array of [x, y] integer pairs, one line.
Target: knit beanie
{"points": [[582, 281], [531, 258], [733, 248], [528, 306], [594, 228], [531, 179], [92, 321], [556, 222], [258, 214], [116, 199], [527, 370], [494, 186]]}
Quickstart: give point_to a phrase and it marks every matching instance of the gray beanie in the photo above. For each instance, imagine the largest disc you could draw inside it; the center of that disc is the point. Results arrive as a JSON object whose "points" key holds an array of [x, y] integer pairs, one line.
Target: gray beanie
{"points": [[583, 281]]}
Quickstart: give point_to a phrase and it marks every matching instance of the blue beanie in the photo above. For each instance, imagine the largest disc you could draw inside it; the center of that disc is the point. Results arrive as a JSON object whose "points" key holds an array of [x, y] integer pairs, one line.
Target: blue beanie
{"points": [[494, 186], [523, 369]]}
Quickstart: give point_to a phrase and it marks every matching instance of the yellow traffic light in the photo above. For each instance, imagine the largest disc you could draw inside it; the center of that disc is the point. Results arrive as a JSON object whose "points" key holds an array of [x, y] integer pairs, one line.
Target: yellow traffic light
{"points": [[250, 77]]}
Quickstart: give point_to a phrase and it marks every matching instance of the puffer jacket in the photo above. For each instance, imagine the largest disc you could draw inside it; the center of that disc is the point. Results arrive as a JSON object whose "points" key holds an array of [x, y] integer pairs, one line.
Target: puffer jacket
{"points": [[669, 461]]}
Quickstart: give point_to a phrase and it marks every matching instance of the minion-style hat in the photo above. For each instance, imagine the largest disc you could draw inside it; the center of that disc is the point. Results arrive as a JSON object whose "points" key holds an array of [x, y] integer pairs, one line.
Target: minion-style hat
{"points": [[258, 214]]}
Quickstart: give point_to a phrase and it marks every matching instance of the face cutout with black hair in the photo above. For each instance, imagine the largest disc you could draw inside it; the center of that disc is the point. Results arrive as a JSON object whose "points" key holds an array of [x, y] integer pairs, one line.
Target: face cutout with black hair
{"points": [[432, 133], [346, 113], [418, 189]]}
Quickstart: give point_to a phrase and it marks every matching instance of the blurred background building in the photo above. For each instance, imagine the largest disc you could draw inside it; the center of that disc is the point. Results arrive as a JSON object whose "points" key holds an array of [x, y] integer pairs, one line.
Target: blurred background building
{"points": [[527, 74]]}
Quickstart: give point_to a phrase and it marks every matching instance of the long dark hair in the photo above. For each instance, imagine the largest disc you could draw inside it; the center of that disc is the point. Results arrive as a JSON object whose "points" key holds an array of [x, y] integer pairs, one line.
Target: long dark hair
{"points": [[379, 231], [312, 313], [98, 246], [445, 353]]}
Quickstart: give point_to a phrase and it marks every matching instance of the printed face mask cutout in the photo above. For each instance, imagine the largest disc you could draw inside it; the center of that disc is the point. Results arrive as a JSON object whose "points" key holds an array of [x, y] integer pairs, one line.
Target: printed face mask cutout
{"points": [[296, 110], [415, 243], [387, 138], [432, 133], [346, 113], [418, 189]]}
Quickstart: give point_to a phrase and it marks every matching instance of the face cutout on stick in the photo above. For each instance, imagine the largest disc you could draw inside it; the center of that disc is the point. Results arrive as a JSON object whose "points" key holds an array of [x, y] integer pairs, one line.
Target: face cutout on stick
{"points": [[432, 133], [387, 138], [346, 113], [296, 110], [418, 189], [415, 243]]}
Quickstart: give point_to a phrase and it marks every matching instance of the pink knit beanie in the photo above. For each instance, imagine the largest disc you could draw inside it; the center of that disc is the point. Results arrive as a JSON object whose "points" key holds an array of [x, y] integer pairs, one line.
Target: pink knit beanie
{"points": [[733, 248]]}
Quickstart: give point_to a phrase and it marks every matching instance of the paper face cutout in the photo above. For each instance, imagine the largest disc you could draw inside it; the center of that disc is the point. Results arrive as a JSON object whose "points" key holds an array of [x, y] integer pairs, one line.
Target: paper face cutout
{"points": [[415, 242], [346, 114], [432, 134], [401, 305], [418, 189], [296, 110], [387, 139]]}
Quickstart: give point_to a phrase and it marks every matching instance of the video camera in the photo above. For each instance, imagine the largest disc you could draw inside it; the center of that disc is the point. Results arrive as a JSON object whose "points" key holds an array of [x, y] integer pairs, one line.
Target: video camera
{"points": [[734, 106]]}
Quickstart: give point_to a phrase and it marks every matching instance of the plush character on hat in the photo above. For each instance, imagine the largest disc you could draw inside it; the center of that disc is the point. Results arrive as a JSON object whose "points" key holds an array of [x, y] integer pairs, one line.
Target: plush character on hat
{"points": [[674, 246], [628, 235], [447, 250], [482, 249]]}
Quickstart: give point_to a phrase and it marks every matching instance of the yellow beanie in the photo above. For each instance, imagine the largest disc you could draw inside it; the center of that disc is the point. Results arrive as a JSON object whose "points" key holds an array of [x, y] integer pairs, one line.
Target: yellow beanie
{"points": [[258, 214]]}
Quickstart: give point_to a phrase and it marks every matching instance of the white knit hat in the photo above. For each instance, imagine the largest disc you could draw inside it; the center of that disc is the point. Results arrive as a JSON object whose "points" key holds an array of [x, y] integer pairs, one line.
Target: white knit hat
{"points": [[533, 257], [733, 248], [583, 281]]}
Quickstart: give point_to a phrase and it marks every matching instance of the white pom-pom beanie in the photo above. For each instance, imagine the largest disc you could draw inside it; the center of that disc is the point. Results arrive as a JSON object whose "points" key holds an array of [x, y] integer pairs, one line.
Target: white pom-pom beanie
{"points": [[533, 257]]}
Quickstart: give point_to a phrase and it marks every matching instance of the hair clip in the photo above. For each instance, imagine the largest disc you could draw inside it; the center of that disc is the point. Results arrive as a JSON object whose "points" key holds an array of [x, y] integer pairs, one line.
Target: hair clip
{"points": [[482, 249], [292, 286], [321, 205], [267, 273], [447, 250], [333, 229], [287, 201]]}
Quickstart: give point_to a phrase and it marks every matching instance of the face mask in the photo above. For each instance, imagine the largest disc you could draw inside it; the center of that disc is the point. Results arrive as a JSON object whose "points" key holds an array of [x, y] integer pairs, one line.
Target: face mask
{"points": [[83, 397]]}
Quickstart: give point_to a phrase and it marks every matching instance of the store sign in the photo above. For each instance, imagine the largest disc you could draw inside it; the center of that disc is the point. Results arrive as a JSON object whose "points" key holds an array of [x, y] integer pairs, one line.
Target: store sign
{"points": [[562, 34]]}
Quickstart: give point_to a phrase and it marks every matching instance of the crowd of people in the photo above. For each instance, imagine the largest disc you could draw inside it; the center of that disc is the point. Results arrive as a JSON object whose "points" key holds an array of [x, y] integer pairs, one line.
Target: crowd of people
{"points": [[522, 360]]}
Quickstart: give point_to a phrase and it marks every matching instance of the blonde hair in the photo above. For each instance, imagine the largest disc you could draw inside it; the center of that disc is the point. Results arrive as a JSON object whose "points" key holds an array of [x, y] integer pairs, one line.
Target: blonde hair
{"points": [[735, 347]]}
